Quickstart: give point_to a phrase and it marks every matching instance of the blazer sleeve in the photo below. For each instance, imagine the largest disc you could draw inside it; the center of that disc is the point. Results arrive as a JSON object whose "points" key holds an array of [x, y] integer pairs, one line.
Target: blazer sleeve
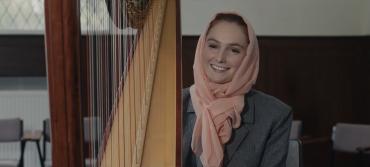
{"points": [[276, 149]]}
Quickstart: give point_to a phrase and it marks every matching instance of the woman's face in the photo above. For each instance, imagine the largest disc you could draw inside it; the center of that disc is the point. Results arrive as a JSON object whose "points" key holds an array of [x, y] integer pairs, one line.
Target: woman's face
{"points": [[224, 50]]}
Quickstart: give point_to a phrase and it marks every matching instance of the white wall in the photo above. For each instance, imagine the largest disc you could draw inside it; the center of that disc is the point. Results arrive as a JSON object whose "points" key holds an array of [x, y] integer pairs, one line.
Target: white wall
{"points": [[366, 18], [284, 17]]}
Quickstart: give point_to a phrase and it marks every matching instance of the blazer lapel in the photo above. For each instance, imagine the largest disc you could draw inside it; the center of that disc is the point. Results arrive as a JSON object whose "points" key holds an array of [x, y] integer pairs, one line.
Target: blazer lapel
{"points": [[241, 133], [238, 135]]}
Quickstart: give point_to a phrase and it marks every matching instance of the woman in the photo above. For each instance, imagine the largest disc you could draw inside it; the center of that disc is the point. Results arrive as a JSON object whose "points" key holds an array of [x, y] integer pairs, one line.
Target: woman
{"points": [[225, 121]]}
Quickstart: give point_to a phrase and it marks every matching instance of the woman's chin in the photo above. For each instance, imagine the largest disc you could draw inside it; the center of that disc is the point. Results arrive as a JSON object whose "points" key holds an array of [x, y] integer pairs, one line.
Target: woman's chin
{"points": [[218, 80]]}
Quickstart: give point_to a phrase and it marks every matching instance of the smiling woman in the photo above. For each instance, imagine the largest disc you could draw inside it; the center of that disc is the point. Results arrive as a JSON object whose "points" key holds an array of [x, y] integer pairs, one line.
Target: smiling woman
{"points": [[226, 122]]}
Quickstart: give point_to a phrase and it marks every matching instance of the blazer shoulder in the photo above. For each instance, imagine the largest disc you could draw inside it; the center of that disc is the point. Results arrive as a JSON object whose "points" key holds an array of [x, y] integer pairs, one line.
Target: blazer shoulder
{"points": [[185, 93], [268, 103]]}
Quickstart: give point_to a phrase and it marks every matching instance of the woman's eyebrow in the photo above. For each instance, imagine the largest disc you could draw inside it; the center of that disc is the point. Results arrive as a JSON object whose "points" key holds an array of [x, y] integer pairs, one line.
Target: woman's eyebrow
{"points": [[237, 44], [212, 39], [230, 44]]}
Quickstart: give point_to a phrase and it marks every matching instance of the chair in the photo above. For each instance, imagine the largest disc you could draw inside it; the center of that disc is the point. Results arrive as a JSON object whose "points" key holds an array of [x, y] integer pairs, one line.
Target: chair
{"points": [[47, 138], [296, 129], [11, 130], [294, 157], [351, 138]]}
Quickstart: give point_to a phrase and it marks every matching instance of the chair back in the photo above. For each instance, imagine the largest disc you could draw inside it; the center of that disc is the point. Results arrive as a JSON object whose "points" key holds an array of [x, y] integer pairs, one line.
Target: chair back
{"points": [[46, 129], [294, 157], [91, 125], [296, 129], [349, 137], [11, 130]]}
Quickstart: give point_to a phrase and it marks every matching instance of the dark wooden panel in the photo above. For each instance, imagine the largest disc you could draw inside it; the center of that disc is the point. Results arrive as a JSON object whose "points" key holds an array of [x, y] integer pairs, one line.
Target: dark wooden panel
{"points": [[22, 55], [325, 80], [189, 44]]}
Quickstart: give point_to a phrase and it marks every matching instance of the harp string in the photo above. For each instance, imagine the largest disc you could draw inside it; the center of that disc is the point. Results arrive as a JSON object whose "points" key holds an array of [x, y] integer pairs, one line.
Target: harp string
{"points": [[111, 45]]}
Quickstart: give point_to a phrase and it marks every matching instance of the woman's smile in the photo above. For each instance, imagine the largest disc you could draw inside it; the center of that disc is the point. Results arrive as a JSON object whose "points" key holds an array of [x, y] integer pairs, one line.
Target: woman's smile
{"points": [[219, 68]]}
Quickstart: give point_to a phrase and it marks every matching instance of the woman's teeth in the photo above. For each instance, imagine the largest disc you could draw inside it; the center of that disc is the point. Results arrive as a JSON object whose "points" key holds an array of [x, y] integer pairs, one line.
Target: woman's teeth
{"points": [[219, 68]]}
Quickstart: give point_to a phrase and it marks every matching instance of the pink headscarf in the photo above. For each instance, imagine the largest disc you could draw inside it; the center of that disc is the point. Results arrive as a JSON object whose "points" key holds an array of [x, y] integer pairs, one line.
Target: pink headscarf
{"points": [[218, 106]]}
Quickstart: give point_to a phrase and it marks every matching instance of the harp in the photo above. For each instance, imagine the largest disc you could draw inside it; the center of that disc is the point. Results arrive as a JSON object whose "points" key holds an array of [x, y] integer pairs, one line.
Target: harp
{"points": [[114, 83]]}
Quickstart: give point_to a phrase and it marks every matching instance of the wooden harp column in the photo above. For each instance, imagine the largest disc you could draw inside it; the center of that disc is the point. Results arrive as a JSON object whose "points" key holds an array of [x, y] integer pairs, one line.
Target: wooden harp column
{"points": [[68, 82]]}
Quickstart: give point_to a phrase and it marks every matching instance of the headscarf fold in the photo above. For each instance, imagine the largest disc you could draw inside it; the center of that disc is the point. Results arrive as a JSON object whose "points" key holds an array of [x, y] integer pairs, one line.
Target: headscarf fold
{"points": [[218, 106]]}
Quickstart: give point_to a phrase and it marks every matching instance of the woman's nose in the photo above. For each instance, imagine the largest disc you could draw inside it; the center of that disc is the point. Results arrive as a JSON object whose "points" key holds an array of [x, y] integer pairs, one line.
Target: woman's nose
{"points": [[221, 56]]}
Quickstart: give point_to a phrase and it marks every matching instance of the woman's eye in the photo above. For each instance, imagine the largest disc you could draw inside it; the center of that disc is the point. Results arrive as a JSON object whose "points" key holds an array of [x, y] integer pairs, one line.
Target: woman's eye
{"points": [[212, 46], [235, 50]]}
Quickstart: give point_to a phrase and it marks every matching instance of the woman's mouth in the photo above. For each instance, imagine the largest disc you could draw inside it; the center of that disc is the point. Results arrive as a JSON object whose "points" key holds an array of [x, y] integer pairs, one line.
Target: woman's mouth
{"points": [[219, 68]]}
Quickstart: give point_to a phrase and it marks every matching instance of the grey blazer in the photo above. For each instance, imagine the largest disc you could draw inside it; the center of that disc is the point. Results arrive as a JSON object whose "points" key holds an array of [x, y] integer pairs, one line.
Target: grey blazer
{"points": [[260, 141]]}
